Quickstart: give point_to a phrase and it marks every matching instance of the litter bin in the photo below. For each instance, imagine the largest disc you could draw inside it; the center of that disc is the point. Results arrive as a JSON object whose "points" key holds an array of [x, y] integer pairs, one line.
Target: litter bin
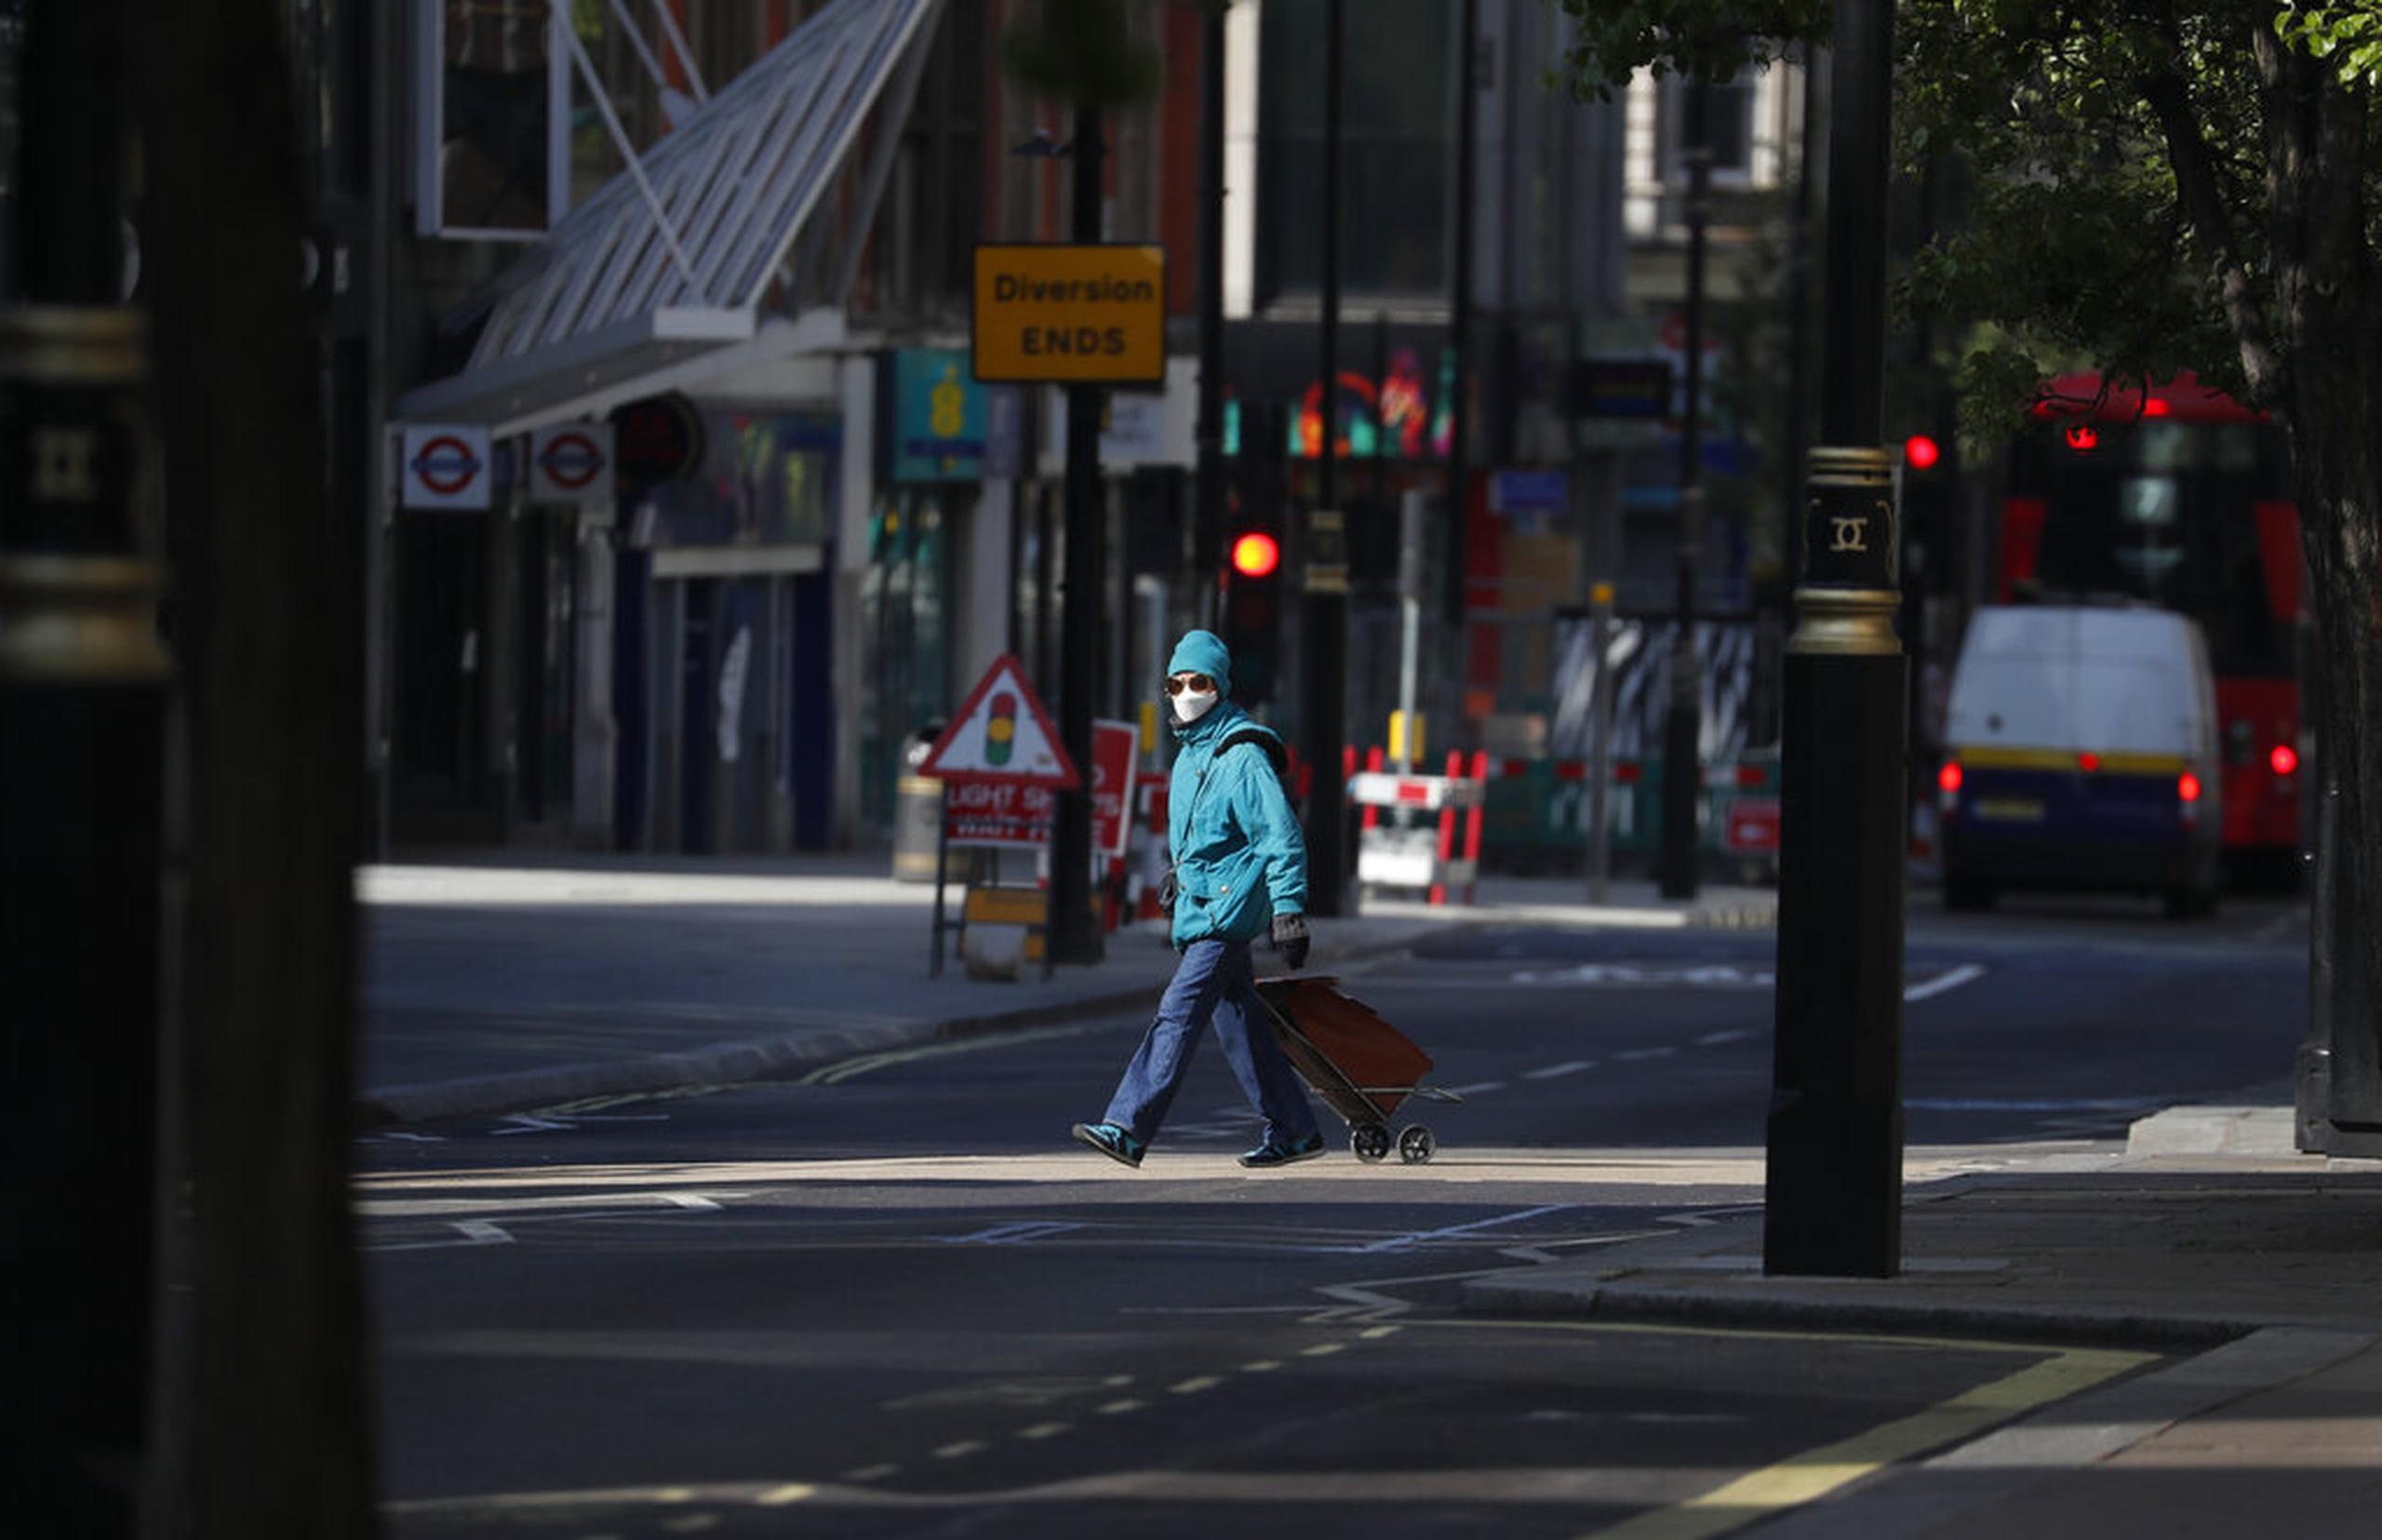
{"points": [[918, 811]]}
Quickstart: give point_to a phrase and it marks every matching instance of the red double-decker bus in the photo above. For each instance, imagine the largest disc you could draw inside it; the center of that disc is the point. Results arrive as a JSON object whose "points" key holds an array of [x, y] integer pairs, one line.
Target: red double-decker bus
{"points": [[2181, 498]]}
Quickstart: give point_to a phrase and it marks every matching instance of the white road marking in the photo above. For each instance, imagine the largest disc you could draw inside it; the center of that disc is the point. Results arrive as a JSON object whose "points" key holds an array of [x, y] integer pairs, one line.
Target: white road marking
{"points": [[1400, 1242], [1323, 1350], [870, 1473], [1013, 1234], [1195, 1384], [1647, 975], [475, 1232], [1970, 1103], [1569, 1066], [1635, 1055], [964, 1448], [1708, 1217], [688, 1200], [1478, 1089], [1714, 1040], [1943, 983], [1045, 1430], [1117, 1409]]}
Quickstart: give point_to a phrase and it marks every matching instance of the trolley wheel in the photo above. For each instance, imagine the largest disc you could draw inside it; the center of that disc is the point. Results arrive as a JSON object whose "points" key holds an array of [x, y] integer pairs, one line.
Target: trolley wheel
{"points": [[1415, 1144], [1370, 1141]]}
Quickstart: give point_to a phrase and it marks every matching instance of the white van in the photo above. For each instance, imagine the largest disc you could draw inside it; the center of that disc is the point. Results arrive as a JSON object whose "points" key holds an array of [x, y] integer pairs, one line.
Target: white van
{"points": [[2081, 751]]}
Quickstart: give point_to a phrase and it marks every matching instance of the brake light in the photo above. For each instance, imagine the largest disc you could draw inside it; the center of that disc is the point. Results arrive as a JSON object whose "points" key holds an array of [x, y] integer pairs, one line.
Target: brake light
{"points": [[2188, 786], [2088, 763], [2286, 759], [1948, 778]]}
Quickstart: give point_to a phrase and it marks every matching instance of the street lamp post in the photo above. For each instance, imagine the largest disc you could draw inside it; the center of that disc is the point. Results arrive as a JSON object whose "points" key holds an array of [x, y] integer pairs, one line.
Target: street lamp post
{"points": [[1075, 923], [1323, 695], [1208, 517], [1834, 1201], [82, 684], [1682, 723]]}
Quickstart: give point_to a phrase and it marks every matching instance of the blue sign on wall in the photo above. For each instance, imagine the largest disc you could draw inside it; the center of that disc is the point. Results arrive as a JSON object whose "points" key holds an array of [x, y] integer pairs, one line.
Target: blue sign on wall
{"points": [[938, 416], [1529, 492]]}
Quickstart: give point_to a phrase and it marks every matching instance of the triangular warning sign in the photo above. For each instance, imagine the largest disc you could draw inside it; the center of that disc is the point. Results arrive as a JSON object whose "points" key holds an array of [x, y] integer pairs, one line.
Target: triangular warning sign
{"points": [[1002, 734]]}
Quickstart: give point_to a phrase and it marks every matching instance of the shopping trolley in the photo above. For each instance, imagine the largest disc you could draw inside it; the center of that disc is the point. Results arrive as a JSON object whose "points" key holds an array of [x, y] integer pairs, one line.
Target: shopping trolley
{"points": [[1363, 1068]]}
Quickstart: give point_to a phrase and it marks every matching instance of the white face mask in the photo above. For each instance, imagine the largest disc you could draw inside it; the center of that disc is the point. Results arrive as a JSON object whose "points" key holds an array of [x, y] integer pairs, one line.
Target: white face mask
{"points": [[1191, 706]]}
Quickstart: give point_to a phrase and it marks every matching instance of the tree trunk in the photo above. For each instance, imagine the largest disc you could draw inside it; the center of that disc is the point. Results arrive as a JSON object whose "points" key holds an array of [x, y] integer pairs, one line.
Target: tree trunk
{"points": [[2327, 299], [2336, 443], [271, 1431]]}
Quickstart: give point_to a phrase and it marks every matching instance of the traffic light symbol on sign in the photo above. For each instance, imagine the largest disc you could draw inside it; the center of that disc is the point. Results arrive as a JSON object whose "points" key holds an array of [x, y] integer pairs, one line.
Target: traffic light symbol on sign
{"points": [[1000, 731]]}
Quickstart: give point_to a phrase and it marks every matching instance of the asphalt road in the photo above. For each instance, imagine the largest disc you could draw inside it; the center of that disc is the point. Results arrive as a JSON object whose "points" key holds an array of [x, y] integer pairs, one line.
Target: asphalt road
{"points": [[894, 1300]]}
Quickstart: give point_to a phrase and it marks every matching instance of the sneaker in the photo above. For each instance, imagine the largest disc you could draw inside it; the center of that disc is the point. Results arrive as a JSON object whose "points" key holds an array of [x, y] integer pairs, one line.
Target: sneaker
{"points": [[1115, 1144], [1272, 1154]]}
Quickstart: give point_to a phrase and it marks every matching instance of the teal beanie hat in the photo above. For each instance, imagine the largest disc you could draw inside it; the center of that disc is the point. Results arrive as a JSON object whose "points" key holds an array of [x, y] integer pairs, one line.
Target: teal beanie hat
{"points": [[1203, 652]]}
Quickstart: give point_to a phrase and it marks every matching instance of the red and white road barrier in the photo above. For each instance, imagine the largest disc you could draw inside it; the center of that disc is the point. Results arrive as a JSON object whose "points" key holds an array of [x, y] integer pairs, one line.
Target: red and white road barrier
{"points": [[1436, 857]]}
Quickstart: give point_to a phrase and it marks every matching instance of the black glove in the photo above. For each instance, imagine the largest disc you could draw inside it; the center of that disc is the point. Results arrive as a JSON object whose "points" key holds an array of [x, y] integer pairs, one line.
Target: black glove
{"points": [[1291, 939], [1166, 892]]}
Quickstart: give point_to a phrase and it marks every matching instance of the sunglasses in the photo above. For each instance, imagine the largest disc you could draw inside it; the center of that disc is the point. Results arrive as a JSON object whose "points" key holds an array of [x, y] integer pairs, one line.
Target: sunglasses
{"points": [[1199, 684]]}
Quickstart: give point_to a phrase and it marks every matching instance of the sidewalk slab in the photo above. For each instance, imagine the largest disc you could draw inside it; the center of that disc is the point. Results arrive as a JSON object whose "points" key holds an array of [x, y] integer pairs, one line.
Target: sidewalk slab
{"points": [[2275, 1434], [2166, 1249], [2266, 1263]]}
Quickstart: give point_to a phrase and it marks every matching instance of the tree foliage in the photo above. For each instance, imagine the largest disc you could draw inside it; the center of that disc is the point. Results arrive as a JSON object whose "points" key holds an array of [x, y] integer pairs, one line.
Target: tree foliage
{"points": [[2348, 36], [2155, 185], [1081, 52], [2072, 123]]}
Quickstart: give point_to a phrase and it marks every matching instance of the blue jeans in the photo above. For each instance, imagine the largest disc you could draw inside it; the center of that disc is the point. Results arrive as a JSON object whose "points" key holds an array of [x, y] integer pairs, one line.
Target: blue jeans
{"points": [[1214, 979]]}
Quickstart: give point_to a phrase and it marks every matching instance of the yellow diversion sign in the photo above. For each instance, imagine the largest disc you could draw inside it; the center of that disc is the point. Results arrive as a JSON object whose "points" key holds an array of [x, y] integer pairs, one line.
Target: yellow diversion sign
{"points": [[1071, 315]]}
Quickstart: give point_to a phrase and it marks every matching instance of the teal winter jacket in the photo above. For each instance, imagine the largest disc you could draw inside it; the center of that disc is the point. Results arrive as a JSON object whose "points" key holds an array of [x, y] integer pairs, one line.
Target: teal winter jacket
{"points": [[1239, 858]]}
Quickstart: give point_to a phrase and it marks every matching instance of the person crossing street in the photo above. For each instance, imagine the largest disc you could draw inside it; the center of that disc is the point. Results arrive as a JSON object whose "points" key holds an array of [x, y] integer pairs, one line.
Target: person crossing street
{"points": [[1239, 873]]}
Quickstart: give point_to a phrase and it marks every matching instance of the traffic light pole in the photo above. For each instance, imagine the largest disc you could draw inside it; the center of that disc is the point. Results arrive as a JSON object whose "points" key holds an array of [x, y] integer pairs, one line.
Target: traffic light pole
{"points": [[1683, 722], [82, 709], [1207, 516], [1454, 591], [1834, 1200], [1075, 923], [1323, 695]]}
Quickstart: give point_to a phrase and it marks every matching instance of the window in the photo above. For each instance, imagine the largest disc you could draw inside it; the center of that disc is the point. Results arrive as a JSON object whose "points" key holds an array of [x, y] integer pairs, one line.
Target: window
{"points": [[1728, 128], [511, 135], [487, 85], [1397, 142]]}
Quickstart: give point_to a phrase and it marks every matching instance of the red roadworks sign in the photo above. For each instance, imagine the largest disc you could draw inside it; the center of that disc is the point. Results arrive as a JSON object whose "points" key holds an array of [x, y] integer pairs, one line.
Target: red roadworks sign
{"points": [[1112, 783], [1752, 826]]}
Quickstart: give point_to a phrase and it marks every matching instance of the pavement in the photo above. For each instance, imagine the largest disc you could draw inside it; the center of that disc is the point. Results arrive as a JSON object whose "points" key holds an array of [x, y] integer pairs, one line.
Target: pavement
{"points": [[2253, 1270]]}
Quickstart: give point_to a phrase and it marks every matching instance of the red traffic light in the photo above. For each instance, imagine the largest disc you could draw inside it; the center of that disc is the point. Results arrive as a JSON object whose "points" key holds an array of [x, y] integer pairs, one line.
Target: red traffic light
{"points": [[1256, 555], [1920, 452]]}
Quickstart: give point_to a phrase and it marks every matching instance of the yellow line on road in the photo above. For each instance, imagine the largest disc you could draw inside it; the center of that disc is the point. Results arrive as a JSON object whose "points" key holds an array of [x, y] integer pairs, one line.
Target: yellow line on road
{"points": [[1817, 1473]]}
